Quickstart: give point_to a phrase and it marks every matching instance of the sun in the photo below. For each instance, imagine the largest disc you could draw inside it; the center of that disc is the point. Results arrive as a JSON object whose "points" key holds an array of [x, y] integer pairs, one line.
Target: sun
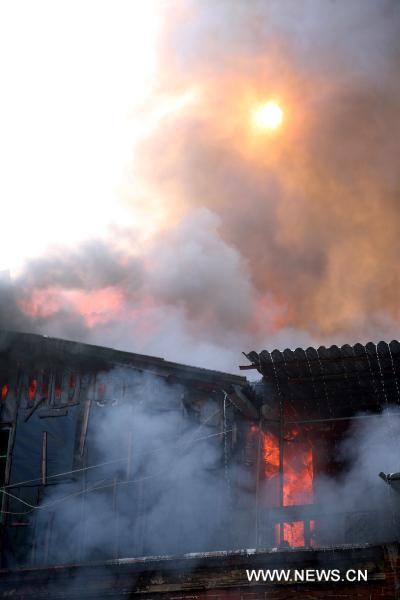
{"points": [[268, 116]]}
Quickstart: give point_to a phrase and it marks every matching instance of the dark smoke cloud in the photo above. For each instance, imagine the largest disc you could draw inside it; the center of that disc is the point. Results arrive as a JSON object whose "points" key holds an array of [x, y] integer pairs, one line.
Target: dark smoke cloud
{"points": [[62, 323], [313, 211], [187, 297], [282, 241], [195, 269], [94, 265]]}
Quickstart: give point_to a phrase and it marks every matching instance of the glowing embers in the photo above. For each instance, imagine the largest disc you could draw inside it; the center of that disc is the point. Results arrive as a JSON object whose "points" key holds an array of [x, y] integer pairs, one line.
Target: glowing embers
{"points": [[296, 534], [57, 388], [4, 391], [72, 383], [32, 389], [38, 388], [293, 533]]}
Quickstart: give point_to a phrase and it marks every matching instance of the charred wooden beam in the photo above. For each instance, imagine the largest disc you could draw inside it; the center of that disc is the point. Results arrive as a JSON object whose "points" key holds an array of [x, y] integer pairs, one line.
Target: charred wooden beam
{"points": [[52, 412], [34, 407], [244, 404]]}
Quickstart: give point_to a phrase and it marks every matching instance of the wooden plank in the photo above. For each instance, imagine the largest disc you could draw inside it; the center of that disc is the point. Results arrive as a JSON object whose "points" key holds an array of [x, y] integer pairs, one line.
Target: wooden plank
{"points": [[51, 389], [85, 420], [52, 412], [34, 407]]}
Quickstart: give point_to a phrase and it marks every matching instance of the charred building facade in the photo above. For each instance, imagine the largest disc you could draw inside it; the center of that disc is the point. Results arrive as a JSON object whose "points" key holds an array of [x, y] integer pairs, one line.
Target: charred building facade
{"points": [[124, 475]]}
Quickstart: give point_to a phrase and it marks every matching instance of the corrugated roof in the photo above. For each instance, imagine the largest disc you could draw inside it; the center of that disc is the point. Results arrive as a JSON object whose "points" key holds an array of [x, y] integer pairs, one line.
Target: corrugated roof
{"points": [[334, 379]]}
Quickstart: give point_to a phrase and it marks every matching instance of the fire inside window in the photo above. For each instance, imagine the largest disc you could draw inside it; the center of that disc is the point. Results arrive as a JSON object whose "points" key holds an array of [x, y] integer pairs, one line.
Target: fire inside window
{"points": [[32, 389], [289, 485], [4, 390]]}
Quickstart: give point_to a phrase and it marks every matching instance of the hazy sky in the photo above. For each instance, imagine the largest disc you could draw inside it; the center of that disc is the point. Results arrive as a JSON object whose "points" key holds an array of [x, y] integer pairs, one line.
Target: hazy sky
{"points": [[142, 208]]}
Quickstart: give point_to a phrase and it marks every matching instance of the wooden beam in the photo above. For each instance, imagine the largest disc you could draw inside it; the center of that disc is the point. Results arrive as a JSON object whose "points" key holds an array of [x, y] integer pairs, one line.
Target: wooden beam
{"points": [[44, 458], [243, 403], [33, 408]]}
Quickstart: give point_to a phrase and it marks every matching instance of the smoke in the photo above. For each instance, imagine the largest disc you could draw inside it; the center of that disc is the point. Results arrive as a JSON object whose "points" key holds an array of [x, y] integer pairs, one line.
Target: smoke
{"points": [[370, 447], [269, 240], [166, 480], [168, 469], [160, 487], [187, 294], [306, 208], [354, 505]]}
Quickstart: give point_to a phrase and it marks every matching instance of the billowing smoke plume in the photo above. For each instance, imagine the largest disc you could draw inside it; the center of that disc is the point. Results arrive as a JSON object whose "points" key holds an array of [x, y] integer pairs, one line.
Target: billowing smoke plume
{"points": [[276, 240], [313, 209], [188, 294]]}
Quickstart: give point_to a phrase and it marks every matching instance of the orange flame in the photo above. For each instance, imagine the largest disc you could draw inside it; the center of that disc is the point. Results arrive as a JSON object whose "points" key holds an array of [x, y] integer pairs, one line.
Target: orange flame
{"points": [[297, 471], [4, 391], [297, 478], [294, 533], [270, 454], [32, 389]]}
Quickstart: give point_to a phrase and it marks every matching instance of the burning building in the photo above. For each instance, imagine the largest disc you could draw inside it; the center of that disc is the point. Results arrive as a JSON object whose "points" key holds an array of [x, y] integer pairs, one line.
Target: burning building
{"points": [[128, 475]]}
